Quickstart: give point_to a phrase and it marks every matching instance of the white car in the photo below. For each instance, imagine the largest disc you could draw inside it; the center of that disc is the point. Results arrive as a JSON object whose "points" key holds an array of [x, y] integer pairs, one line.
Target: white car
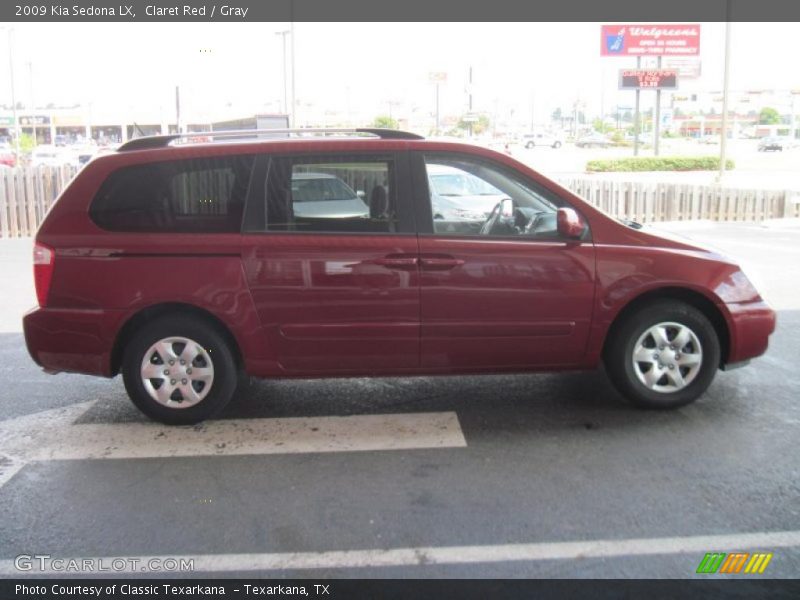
{"points": [[49, 156], [531, 140]]}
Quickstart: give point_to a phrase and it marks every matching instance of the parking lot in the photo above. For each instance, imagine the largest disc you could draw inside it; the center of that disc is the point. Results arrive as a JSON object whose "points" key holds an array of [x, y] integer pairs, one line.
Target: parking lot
{"points": [[543, 475]]}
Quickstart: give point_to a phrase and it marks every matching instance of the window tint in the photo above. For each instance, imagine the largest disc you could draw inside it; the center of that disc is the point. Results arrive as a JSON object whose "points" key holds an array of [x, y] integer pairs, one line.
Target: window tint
{"points": [[473, 197], [331, 194], [204, 195]]}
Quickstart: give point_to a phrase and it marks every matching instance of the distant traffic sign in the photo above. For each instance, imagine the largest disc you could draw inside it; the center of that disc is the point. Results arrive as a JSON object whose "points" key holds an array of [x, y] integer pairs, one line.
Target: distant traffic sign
{"points": [[650, 40]]}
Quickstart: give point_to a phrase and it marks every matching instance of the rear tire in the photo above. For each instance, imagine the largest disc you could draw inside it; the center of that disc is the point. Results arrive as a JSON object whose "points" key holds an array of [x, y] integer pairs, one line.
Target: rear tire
{"points": [[180, 370], [664, 355]]}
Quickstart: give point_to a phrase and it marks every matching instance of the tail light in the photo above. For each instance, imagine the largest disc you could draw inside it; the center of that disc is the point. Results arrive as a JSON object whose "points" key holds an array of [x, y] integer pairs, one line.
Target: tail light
{"points": [[44, 260]]}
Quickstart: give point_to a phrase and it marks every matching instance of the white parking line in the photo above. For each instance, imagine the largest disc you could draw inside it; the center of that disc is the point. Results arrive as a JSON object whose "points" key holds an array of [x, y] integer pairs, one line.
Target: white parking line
{"points": [[51, 435], [454, 555]]}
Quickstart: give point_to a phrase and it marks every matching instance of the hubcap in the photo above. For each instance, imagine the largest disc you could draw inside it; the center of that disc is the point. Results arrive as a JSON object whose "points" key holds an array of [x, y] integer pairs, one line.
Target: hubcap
{"points": [[177, 372], [667, 357]]}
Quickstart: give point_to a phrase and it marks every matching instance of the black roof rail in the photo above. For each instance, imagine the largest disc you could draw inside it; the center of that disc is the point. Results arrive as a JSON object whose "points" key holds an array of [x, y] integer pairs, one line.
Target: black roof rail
{"points": [[162, 141]]}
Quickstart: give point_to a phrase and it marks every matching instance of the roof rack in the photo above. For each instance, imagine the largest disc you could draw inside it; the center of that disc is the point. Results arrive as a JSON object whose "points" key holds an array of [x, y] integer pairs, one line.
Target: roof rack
{"points": [[162, 141]]}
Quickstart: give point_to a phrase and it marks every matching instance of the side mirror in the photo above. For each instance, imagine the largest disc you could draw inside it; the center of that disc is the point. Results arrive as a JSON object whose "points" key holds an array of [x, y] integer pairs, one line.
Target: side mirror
{"points": [[569, 223]]}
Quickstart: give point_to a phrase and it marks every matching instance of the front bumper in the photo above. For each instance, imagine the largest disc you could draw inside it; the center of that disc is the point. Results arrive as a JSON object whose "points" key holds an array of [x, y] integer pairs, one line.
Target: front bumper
{"points": [[75, 341], [751, 324]]}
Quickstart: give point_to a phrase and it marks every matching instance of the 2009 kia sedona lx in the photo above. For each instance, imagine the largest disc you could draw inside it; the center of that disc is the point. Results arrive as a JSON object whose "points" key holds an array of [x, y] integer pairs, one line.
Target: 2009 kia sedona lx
{"points": [[186, 266]]}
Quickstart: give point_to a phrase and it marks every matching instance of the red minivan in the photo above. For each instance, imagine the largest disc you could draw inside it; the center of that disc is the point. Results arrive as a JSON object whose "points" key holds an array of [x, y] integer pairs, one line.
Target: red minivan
{"points": [[188, 267]]}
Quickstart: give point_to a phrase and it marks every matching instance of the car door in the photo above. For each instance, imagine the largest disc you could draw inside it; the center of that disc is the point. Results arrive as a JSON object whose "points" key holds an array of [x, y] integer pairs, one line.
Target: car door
{"points": [[507, 294], [330, 255]]}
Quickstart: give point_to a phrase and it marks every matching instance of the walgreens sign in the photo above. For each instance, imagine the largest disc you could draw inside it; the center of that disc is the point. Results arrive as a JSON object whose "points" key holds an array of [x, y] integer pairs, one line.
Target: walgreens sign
{"points": [[650, 40]]}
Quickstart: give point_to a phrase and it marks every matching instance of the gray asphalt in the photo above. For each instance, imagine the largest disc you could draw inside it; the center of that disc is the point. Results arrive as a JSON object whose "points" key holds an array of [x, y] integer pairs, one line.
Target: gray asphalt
{"points": [[549, 458]]}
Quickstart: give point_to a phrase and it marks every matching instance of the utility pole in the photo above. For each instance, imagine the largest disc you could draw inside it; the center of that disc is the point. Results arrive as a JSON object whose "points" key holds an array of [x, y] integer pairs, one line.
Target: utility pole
{"points": [[178, 108], [33, 105], [657, 124], [470, 101], [636, 127], [723, 143], [283, 35], [294, 102], [13, 95]]}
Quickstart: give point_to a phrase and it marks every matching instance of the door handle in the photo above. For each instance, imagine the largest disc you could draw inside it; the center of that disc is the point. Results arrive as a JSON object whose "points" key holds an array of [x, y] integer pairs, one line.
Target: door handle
{"points": [[440, 263], [396, 262]]}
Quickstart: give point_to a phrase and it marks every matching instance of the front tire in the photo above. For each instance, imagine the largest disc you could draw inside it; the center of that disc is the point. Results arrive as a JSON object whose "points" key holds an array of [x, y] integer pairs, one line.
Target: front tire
{"points": [[179, 370], [664, 355]]}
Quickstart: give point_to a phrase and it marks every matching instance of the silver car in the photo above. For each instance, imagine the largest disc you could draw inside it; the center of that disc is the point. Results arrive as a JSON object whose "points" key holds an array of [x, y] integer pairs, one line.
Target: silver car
{"points": [[324, 196]]}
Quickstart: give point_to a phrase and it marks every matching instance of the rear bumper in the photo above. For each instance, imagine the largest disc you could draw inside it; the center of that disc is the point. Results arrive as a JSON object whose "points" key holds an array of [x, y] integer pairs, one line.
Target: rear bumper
{"points": [[75, 341], [751, 324]]}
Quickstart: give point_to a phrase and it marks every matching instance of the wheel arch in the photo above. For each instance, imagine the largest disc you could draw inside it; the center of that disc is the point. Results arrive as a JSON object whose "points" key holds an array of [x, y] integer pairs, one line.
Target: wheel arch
{"points": [[691, 297], [145, 315]]}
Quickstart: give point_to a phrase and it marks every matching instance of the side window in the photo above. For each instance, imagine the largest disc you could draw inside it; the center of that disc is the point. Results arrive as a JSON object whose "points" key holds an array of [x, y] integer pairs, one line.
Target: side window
{"points": [[474, 197], [338, 194], [203, 195]]}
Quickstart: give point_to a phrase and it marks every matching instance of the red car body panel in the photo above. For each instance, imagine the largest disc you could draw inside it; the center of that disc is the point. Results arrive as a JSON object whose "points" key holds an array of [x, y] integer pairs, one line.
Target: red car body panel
{"points": [[301, 305]]}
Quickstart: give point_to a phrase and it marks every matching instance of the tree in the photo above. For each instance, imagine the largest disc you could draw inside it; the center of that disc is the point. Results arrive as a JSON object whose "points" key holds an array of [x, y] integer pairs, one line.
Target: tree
{"points": [[557, 116], [769, 116], [384, 122]]}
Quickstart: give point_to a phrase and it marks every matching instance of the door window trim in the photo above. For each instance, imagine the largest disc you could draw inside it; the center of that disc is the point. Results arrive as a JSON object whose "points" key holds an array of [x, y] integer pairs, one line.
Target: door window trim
{"points": [[423, 209]]}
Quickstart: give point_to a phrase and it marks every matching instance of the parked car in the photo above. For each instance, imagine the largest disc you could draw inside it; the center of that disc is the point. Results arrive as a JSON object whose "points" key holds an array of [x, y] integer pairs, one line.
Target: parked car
{"points": [[460, 198], [189, 268], [593, 140], [8, 157], [531, 140], [775, 143], [323, 196]]}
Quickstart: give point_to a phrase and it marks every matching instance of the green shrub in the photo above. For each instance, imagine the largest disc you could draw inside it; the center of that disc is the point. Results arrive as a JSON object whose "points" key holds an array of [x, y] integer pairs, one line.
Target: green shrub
{"points": [[659, 163]]}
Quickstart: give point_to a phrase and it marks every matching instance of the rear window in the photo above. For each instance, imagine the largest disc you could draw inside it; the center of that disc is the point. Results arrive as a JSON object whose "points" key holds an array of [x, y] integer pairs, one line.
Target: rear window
{"points": [[202, 195]]}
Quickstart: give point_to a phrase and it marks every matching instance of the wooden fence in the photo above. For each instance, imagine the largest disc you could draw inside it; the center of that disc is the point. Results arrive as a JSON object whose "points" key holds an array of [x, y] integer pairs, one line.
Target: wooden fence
{"points": [[27, 194], [648, 202]]}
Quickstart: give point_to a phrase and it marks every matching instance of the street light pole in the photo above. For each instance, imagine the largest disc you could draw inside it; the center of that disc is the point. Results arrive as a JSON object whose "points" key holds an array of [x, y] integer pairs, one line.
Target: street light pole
{"points": [[723, 143], [283, 35]]}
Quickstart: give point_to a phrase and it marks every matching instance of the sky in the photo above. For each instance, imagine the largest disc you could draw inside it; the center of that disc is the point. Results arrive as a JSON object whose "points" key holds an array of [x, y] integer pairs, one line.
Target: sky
{"points": [[360, 68]]}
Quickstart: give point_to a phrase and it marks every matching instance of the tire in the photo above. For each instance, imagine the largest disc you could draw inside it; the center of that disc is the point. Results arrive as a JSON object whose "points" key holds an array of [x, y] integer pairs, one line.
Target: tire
{"points": [[652, 382], [529, 145], [556, 145], [199, 388]]}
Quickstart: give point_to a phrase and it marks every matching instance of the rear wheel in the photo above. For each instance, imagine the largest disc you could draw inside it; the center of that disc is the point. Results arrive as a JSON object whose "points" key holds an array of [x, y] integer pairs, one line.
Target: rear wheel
{"points": [[529, 145], [179, 370], [664, 355]]}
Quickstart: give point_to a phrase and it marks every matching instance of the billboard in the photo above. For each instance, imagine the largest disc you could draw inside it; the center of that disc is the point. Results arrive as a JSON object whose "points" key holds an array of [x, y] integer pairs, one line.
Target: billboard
{"points": [[650, 79], [650, 40]]}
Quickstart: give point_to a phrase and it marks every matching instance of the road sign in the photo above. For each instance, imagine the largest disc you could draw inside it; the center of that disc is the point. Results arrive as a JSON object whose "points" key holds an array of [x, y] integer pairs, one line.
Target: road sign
{"points": [[437, 76], [650, 40], [650, 79]]}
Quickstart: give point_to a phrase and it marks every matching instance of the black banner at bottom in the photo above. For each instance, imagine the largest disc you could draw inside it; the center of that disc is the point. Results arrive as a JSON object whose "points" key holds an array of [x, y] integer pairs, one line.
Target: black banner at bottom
{"points": [[373, 589]]}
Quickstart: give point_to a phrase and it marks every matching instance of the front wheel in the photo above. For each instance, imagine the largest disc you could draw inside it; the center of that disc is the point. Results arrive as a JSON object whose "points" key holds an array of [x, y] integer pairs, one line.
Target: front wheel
{"points": [[179, 370], [556, 145], [529, 145], [664, 355]]}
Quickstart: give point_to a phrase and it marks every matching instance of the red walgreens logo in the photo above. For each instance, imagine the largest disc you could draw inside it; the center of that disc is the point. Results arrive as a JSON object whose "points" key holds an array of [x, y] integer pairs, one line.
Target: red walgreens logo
{"points": [[650, 40]]}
